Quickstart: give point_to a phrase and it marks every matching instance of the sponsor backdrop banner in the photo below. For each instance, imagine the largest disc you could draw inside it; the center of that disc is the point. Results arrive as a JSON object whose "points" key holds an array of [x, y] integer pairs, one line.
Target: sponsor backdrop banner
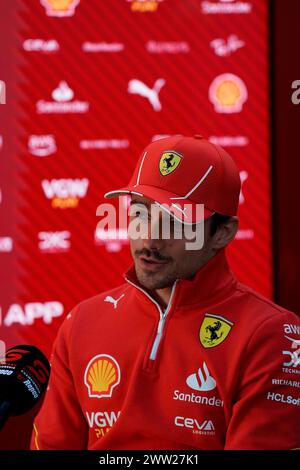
{"points": [[85, 85]]}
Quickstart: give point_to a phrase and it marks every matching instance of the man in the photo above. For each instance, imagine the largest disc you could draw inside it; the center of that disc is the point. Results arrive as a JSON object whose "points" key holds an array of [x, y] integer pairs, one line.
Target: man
{"points": [[180, 356]]}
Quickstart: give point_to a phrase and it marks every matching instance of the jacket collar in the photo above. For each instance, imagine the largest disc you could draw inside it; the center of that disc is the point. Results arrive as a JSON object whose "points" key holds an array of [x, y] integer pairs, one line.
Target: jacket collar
{"points": [[209, 285]]}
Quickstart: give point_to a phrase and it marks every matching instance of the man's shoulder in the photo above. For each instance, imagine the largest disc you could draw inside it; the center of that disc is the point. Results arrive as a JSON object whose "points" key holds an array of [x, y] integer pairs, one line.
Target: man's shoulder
{"points": [[84, 318], [263, 308], [107, 297], [100, 304]]}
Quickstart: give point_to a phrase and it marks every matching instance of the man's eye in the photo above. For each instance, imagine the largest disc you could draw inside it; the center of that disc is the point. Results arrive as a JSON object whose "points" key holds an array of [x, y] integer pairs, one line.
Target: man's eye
{"points": [[141, 215], [138, 211], [176, 227]]}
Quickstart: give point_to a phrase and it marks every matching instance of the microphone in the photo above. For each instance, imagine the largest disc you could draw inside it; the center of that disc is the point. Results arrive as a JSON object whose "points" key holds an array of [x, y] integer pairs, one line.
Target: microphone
{"points": [[24, 376]]}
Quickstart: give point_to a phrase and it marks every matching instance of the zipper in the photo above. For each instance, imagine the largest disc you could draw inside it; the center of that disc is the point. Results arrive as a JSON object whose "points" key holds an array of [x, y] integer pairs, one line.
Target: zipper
{"points": [[162, 317], [161, 325]]}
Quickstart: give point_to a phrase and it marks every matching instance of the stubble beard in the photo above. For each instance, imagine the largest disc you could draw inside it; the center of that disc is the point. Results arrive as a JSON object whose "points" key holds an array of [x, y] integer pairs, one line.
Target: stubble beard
{"points": [[153, 281]]}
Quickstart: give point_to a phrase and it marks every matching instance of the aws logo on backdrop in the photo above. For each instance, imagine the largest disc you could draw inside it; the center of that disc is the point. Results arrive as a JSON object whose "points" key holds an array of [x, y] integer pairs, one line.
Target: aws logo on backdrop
{"points": [[65, 193], [60, 8], [42, 145]]}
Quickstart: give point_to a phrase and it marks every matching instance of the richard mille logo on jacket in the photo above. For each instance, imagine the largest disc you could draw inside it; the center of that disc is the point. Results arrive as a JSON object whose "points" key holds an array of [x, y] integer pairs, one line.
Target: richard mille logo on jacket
{"points": [[201, 381]]}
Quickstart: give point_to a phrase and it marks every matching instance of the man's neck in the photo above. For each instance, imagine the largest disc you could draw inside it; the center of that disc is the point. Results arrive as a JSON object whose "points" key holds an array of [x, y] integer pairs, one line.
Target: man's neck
{"points": [[161, 296]]}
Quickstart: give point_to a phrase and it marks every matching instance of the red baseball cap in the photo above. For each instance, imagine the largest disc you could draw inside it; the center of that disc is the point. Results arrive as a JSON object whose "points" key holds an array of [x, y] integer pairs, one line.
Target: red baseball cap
{"points": [[178, 173]]}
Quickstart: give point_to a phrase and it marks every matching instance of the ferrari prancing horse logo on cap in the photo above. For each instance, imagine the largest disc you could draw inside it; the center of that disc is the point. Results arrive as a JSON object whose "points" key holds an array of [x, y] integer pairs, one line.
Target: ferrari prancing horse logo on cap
{"points": [[168, 162], [214, 330]]}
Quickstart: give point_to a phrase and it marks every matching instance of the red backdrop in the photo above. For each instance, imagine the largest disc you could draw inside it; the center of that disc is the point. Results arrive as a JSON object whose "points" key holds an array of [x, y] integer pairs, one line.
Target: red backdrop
{"points": [[80, 76], [286, 162]]}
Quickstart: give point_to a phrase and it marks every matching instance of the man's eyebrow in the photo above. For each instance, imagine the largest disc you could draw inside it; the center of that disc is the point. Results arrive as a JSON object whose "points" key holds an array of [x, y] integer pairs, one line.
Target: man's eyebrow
{"points": [[134, 201]]}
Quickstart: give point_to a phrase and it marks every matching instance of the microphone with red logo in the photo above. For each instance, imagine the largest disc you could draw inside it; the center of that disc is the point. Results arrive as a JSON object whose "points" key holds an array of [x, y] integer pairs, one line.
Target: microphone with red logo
{"points": [[24, 376]]}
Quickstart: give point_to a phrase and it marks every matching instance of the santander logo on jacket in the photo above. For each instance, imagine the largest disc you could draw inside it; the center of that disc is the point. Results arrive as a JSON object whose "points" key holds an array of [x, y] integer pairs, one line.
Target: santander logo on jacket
{"points": [[218, 369]]}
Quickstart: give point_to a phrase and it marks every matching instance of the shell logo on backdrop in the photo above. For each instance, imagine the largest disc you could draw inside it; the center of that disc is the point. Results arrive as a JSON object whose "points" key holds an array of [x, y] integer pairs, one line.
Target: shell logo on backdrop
{"points": [[228, 93], [60, 8], [102, 375]]}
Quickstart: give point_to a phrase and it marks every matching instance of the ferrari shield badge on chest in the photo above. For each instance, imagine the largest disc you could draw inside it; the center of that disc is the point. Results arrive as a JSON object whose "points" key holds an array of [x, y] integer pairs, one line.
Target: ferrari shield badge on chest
{"points": [[168, 162], [214, 330]]}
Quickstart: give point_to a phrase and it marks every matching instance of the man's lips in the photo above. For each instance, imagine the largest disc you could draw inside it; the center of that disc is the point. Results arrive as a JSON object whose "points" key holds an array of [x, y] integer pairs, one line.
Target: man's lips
{"points": [[151, 263], [152, 260]]}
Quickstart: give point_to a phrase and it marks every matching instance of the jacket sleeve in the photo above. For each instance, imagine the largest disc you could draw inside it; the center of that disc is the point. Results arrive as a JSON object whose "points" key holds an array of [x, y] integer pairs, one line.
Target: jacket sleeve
{"points": [[266, 408], [60, 424]]}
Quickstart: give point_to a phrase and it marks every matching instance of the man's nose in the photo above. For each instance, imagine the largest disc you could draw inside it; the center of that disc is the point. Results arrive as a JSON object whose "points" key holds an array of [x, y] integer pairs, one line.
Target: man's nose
{"points": [[156, 236]]}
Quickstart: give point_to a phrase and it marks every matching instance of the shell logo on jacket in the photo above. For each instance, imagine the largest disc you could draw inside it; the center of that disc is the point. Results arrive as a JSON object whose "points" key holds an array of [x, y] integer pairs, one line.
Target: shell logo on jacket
{"points": [[102, 375]]}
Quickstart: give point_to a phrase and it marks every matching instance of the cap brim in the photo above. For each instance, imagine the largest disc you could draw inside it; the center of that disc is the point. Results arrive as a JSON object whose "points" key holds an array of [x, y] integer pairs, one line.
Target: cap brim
{"points": [[183, 210]]}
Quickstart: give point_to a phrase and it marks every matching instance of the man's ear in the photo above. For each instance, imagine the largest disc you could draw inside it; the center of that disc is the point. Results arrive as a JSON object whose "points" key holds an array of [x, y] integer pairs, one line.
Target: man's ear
{"points": [[225, 233]]}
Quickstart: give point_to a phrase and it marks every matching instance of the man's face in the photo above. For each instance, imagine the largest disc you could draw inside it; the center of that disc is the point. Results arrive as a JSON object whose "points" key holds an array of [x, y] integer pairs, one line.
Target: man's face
{"points": [[160, 261]]}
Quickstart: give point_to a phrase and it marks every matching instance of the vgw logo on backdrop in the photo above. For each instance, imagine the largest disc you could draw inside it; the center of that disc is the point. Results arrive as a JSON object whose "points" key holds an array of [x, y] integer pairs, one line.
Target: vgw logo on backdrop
{"points": [[65, 193]]}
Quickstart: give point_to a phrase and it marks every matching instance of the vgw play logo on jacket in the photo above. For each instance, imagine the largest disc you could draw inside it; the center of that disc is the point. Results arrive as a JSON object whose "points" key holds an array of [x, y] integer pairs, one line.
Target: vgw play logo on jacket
{"points": [[102, 422], [101, 376]]}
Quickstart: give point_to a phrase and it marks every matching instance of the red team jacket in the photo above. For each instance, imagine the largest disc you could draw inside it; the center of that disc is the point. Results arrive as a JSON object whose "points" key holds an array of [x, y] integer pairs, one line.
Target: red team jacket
{"points": [[219, 369]]}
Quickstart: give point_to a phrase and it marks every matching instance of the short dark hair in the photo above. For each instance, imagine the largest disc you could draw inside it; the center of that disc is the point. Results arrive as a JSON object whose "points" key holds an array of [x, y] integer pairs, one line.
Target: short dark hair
{"points": [[216, 220]]}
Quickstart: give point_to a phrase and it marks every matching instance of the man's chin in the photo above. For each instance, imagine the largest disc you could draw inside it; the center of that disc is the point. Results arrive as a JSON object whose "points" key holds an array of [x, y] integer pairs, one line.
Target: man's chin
{"points": [[153, 281]]}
